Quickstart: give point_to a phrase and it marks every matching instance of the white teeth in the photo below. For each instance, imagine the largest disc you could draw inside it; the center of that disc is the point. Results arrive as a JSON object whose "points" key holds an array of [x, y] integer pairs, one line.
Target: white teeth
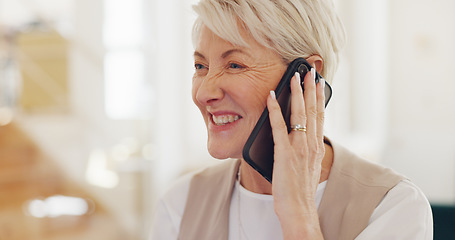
{"points": [[224, 119]]}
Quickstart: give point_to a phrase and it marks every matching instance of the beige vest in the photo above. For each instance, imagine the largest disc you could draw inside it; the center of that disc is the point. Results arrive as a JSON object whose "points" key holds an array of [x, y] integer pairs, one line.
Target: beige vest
{"points": [[354, 188]]}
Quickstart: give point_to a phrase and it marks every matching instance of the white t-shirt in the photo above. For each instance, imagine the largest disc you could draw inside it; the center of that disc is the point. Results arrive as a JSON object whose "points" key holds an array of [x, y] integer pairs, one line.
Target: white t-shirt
{"points": [[404, 213]]}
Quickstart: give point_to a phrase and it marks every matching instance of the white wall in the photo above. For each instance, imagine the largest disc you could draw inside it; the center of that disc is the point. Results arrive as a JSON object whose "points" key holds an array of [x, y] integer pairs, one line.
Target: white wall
{"points": [[421, 140], [360, 86], [393, 94]]}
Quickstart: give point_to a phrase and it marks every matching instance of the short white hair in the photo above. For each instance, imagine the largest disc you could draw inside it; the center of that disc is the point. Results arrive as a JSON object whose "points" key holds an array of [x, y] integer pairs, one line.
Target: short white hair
{"points": [[293, 28]]}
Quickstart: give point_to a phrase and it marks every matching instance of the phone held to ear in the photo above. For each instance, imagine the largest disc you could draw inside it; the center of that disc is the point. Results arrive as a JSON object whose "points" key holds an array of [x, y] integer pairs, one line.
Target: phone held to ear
{"points": [[259, 148]]}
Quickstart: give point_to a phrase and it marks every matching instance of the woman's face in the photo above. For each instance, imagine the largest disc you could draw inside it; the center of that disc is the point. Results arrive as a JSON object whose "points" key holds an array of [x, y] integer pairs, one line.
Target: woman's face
{"points": [[230, 87]]}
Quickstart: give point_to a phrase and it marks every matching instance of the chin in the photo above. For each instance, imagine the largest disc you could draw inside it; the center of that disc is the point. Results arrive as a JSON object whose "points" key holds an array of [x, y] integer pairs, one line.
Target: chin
{"points": [[224, 152], [220, 154]]}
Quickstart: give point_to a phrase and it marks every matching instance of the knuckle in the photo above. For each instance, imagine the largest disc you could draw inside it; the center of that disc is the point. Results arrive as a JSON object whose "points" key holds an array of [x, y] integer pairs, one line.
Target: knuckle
{"points": [[278, 124], [321, 116], [311, 86], [321, 152], [321, 99], [274, 108], [281, 126], [302, 151], [312, 112], [317, 150], [314, 152], [320, 95], [300, 115]]}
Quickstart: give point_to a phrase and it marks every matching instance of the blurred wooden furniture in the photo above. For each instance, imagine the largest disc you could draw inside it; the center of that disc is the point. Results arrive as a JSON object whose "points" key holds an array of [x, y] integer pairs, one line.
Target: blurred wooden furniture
{"points": [[26, 174]]}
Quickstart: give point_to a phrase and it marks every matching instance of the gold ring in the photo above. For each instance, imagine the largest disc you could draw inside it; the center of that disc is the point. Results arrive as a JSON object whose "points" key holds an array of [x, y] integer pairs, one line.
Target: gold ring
{"points": [[298, 127]]}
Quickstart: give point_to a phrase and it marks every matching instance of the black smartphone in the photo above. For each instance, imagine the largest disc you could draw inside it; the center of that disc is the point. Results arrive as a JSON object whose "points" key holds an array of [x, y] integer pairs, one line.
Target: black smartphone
{"points": [[259, 148]]}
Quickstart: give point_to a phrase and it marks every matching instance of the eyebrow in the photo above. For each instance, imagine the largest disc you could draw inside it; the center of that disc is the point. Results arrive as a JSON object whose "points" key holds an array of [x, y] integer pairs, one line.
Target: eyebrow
{"points": [[225, 54], [198, 54]]}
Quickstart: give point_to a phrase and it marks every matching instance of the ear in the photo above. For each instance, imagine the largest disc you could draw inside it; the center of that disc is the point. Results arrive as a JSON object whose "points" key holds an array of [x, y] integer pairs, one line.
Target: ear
{"points": [[316, 61]]}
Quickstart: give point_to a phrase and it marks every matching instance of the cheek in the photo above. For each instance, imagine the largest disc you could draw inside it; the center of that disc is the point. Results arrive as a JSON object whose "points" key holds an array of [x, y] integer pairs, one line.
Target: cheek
{"points": [[194, 88], [254, 89]]}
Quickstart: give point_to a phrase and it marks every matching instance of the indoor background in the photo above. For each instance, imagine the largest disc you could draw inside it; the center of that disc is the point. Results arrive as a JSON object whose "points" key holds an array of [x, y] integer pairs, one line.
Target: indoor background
{"points": [[96, 116]]}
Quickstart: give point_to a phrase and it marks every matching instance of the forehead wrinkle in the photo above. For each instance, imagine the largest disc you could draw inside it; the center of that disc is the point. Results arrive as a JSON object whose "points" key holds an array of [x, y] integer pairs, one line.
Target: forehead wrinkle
{"points": [[232, 51]]}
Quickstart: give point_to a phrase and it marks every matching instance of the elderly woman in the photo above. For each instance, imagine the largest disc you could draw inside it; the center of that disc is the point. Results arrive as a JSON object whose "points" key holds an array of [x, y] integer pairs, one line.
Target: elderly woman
{"points": [[319, 190]]}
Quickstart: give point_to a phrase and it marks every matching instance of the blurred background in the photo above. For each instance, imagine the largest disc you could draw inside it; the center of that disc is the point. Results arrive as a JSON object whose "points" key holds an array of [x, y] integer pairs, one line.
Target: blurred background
{"points": [[96, 116]]}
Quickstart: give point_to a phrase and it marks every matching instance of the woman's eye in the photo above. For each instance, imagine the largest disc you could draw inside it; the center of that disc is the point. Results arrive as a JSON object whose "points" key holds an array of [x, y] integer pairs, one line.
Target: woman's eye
{"points": [[198, 66], [235, 66]]}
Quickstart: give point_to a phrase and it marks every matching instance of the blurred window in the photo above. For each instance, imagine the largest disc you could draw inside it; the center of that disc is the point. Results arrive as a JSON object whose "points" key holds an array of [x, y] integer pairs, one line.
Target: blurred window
{"points": [[128, 94]]}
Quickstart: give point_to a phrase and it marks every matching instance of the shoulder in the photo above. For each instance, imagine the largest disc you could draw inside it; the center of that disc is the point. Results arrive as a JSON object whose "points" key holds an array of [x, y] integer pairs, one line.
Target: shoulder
{"points": [[174, 199], [171, 204], [404, 212], [408, 199], [169, 210], [406, 191]]}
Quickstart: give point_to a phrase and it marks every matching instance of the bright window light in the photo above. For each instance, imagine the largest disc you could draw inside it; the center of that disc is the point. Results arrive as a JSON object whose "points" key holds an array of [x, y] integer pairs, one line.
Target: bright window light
{"points": [[123, 23], [128, 93], [56, 206], [97, 173]]}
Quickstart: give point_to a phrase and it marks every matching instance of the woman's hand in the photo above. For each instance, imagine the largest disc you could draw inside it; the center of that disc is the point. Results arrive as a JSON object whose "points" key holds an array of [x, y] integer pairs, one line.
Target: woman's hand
{"points": [[298, 157]]}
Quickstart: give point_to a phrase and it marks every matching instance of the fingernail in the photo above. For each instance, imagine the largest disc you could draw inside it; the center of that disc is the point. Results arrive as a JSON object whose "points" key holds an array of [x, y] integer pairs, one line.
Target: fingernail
{"points": [[272, 94], [297, 76], [322, 80], [313, 73]]}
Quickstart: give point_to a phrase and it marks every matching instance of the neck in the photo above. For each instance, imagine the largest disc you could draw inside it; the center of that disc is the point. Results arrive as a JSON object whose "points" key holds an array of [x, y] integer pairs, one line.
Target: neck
{"points": [[254, 182]]}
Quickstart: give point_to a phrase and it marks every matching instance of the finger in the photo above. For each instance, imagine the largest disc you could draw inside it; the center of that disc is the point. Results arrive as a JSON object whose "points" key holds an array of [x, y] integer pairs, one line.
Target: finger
{"points": [[298, 138], [311, 106], [279, 128], [320, 110], [297, 102]]}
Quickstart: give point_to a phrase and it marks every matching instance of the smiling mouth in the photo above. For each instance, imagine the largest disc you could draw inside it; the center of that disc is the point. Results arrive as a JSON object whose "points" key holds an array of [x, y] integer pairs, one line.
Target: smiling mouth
{"points": [[222, 120]]}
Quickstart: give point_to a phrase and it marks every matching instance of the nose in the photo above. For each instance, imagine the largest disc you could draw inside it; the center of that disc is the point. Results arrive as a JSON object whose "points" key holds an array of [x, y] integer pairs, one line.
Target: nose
{"points": [[210, 90]]}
